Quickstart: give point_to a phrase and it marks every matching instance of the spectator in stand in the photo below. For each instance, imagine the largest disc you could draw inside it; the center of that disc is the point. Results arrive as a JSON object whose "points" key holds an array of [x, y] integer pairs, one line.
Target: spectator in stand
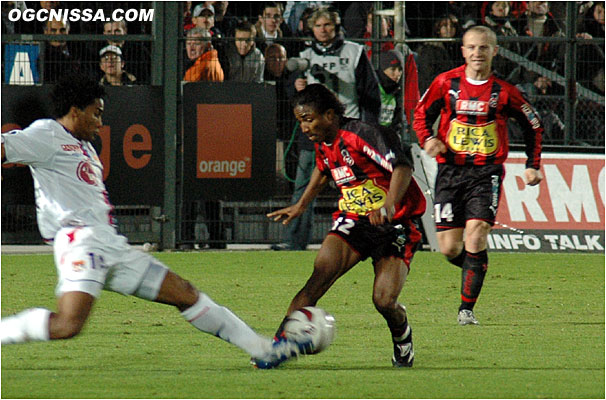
{"points": [[495, 15], [245, 62], [40, 26], [204, 17], [437, 57], [421, 15], [59, 58], [342, 66], [302, 31], [355, 21], [275, 62], [391, 64], [538, 22], [385, 32], [466, 12], [135, 55], [590, 69], [294, 11], [112, 65], [188, 20], [270, 26], [11, 27], [277, 74], [115, 28], [202, 62], [224, 21]]}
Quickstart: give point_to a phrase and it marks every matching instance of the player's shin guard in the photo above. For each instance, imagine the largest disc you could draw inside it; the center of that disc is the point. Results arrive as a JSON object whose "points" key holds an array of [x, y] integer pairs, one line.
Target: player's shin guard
{"points": [[210, 317], [472, 278], [459, 259], [28, 326]]}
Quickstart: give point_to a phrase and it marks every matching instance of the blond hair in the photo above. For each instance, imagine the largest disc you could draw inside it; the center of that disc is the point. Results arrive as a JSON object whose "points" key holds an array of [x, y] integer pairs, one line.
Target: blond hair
{"points": [[481, 29]]}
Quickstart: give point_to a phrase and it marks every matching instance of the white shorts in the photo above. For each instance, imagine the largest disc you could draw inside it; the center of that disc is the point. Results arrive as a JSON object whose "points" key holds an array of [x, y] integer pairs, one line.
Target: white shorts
{"points": [[92, 259]]}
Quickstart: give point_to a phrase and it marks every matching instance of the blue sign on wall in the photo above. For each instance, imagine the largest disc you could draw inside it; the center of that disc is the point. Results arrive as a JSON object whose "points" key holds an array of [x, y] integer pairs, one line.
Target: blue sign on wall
{"points": [[21, 64]]}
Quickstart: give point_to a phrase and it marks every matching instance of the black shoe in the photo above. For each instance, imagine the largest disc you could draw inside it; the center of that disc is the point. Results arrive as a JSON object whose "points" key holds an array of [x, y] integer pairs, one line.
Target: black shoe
{"points": [[403, 352]]}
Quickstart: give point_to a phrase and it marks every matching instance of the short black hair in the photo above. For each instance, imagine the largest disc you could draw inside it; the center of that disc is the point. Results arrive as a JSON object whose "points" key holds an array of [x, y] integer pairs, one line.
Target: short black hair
{"points": [[75, 90], [246, 26], [320, 98]]}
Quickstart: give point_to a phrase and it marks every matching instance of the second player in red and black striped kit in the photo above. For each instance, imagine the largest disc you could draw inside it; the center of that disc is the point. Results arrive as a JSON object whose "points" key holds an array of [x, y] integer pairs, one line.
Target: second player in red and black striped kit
{"points": [[378, 208], [470, 147]]}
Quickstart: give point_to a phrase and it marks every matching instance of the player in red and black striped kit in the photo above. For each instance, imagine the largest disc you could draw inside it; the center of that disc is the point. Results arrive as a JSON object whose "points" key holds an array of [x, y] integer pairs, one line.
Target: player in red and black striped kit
{"points": [[379, 204], [470, 147]]}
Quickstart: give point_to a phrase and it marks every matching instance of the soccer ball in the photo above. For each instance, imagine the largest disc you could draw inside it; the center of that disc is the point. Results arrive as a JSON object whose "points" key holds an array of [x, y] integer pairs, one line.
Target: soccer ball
{"points": [[311, 322]]}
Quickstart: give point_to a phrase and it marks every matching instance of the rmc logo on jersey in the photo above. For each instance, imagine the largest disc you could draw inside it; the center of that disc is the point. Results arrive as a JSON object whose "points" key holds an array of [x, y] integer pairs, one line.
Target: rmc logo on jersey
{"points": [[342, 175], [472, 107]]}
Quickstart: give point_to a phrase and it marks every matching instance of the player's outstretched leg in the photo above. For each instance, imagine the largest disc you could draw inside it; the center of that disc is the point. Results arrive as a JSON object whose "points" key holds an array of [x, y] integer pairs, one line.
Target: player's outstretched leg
{"points": [[207, 316]]}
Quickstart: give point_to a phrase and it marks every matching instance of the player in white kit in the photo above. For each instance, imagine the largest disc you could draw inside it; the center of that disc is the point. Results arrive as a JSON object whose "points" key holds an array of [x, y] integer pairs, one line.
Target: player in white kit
{"points": [[74, 213]]}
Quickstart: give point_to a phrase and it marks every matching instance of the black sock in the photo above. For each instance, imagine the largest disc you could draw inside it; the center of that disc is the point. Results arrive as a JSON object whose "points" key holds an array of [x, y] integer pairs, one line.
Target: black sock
{"points": [[458, 260], [472, 278]]}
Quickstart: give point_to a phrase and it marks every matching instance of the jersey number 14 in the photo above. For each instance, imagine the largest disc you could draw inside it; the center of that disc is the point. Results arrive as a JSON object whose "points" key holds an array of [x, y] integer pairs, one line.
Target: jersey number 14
{"points": [[443, 213]]}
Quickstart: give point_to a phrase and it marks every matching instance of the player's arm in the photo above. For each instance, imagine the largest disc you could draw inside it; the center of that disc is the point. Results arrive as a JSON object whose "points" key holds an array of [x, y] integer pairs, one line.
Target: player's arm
{"points": [[398, 185], [316, 183], [3, 155], [531, 125], [426, 113]]}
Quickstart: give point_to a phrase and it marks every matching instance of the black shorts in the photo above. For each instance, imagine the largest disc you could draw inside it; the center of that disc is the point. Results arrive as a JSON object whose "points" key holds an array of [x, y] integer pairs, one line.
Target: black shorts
{"points": [[400, 239], [465, 192]]}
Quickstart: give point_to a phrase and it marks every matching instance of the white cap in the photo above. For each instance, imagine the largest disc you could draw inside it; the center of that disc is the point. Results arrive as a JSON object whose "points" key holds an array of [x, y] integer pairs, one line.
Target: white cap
{"points": [[200, 7], [110, 48]]}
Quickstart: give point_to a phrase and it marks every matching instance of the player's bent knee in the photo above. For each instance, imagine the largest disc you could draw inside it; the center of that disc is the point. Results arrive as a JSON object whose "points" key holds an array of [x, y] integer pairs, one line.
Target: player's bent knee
{"points": [[384, 302]]}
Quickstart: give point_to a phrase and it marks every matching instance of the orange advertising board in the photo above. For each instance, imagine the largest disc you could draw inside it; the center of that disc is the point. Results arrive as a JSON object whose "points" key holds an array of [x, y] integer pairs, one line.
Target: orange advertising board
{"points": [[224, 145]]}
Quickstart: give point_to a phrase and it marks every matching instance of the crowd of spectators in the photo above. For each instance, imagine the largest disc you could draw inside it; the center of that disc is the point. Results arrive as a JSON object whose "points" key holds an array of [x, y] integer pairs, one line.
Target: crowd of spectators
{"points": [[229, 41]]}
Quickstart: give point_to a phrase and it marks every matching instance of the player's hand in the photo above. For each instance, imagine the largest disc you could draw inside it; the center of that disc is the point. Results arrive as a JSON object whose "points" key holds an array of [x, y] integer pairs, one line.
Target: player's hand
{"points": [[382, 215], [532, 176], [288, 214], [300, 84], [434, 146]]}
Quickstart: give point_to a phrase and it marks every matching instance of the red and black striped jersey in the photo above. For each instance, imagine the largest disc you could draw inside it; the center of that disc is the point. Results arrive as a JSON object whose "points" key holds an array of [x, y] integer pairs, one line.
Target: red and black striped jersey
{"points": [[473, 119], [361, 160]]}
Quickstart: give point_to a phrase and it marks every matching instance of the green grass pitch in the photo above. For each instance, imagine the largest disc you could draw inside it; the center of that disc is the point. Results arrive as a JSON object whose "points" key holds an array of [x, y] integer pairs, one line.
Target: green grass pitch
{"points": [[541, 333]]}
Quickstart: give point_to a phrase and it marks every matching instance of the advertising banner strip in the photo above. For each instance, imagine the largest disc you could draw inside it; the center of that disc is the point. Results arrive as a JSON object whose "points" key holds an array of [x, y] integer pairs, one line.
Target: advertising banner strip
{"points": [[564, 212]]}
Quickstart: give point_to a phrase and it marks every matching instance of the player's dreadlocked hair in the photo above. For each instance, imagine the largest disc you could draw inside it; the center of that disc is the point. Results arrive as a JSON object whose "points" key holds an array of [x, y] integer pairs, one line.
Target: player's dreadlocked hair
{"points": [[319, 98], [75, 90]]}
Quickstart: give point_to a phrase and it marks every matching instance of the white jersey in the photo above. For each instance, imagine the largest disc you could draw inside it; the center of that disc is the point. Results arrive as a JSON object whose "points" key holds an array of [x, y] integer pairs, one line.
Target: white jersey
{"points": [[68, 176]]}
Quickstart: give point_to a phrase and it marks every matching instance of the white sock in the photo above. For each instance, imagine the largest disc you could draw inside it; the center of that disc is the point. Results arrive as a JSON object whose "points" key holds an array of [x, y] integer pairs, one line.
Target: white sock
{"points": [[28, 326], [210, 317]]}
